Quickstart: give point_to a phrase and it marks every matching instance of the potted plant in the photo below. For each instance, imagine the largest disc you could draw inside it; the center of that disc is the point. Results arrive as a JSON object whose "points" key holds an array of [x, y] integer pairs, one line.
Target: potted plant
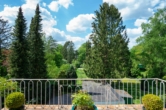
{"points": [[15, 101], [152, 102], [82, 101]]}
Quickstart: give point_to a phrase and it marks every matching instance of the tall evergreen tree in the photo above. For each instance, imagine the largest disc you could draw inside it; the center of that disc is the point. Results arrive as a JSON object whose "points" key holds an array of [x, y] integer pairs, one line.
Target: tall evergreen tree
{"points": [[36, 47], [19, 58], [71, 52], [65, 49], [108, 55], [68, 51]]}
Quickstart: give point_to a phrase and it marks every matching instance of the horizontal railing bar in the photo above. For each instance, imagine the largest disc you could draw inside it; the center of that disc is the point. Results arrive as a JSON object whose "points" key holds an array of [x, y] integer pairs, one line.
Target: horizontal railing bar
{"points": [[94, 79]]}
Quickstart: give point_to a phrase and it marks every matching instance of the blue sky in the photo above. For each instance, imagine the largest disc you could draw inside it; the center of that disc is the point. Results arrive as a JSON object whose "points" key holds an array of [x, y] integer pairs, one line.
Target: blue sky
{"points": [[71, 19]]}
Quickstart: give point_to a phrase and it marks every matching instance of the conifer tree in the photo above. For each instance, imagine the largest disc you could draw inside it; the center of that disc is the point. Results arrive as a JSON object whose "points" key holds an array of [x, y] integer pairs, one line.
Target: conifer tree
{"points": [[108, 55], [68, 51], [19, 57], [36, 47]]}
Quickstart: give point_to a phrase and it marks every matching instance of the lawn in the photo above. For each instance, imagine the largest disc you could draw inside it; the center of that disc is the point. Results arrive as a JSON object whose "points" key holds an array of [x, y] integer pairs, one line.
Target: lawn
{"points": [[81, 74]]}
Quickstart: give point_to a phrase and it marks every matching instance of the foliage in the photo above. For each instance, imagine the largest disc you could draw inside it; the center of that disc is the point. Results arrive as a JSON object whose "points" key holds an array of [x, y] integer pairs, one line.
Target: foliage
{"points": [[4, 35], [164, 77], [15, 100], [6, 85], [36, 47], [152, 102], [4, 43], [71, 73], [3, 70], [81, 54], [153, 43], [107, 53], [63, 71], [50, 44], [67, 71], [68, 51], [19, 66], [82, 100], [136, 58], [58, 59]]}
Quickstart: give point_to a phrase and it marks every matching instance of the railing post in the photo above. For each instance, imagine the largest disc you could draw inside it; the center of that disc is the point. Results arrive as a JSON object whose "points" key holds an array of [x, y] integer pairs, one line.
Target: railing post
{"points": [[156, 87], [58, 93]]}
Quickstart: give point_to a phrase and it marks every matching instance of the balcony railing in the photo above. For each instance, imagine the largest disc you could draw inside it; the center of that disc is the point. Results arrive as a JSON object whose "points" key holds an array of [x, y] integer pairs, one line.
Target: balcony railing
{"points": [[57, 92]]}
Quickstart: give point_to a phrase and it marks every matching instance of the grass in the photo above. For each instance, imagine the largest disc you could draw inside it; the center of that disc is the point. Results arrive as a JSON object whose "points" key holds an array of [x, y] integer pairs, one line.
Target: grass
{"points": [[80, 74]]}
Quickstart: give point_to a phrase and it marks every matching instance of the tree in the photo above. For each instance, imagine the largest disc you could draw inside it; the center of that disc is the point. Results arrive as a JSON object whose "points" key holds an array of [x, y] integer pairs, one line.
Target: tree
{"points": [[81, 53], [50, 44], [58, 59], [137, 64], [68, 51], [107, 53], [5, 30], [19, 66], [65, 49], [154, 46], [36, 47]]}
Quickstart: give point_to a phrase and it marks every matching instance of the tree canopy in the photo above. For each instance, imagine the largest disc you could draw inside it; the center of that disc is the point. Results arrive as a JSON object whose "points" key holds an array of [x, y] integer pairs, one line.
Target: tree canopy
{"points": [[19, 66], [107, 53]]}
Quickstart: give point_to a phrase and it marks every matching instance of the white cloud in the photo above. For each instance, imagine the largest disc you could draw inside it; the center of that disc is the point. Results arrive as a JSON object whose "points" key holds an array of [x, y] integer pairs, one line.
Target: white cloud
{"points": [[133, 9], [65, 3], [80, 23], [55, 5], [134, 33], [161, 5], [87, 36], [9, 13], [76, 40], [138, 22]]}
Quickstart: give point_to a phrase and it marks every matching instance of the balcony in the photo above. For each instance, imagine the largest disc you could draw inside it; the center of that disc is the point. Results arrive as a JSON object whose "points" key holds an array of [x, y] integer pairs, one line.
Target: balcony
{"points": [[54, 94]]}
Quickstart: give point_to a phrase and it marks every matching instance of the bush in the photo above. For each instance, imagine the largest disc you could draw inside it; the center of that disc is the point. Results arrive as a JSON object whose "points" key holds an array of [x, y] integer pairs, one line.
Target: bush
{"points": [[82, 100], [164, 78], [15, 100], [152, 102], [6, 85]]}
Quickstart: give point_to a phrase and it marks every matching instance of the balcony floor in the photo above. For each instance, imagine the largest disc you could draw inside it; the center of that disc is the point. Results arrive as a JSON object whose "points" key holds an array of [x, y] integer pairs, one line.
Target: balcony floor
{"points": [[68, 107]]}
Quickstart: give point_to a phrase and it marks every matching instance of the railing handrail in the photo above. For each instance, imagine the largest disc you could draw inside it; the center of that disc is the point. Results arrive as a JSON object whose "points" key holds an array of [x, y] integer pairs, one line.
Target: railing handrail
{"points": [[91, 79]]}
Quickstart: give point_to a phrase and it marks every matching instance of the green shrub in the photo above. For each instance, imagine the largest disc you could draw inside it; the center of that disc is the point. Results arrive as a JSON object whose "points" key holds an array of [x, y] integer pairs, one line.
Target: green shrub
{"points": [[164, 78], [152, 102], [82, 100], [6, 85], [15, 100]]}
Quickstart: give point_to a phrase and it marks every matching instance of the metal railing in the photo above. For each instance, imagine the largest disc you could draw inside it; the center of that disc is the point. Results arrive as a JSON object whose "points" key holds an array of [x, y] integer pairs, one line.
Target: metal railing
{"points": [[55, 93]]}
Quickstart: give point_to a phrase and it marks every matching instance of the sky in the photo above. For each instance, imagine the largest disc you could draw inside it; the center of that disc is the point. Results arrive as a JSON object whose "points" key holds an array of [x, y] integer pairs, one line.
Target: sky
{"points": [[70, 20]]}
